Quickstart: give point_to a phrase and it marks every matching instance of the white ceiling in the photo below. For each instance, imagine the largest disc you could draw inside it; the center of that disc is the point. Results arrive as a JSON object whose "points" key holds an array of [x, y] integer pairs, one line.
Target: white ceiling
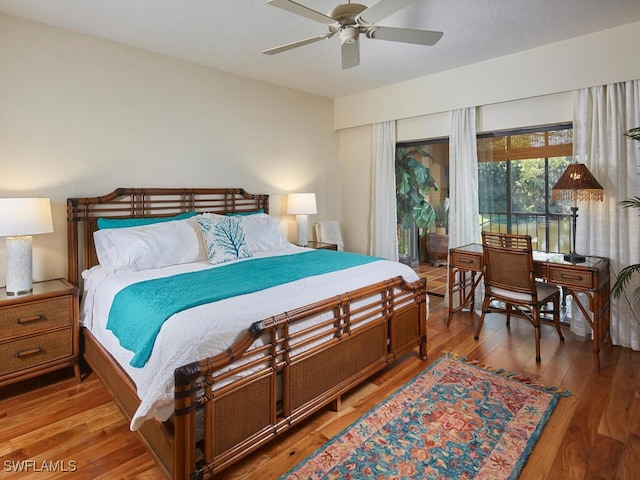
{"points": [[230, 34]]}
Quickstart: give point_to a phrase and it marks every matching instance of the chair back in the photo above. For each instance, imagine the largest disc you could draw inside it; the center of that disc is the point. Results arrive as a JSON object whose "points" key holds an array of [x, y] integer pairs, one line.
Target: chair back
{"points": [[508, 261], [328, 231]]}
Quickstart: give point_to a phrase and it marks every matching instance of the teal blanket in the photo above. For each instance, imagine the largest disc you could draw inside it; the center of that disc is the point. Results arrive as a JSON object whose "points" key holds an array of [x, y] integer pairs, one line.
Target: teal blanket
{"points": [[139, 310]]}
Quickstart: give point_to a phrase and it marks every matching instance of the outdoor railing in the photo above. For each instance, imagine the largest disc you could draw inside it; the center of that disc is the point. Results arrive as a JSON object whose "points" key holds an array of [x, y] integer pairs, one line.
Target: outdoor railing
{"points": [[549, 233]]}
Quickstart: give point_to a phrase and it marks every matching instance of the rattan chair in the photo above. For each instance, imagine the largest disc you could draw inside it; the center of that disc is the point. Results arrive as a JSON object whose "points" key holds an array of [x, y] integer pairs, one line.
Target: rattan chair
{"points": [[509, 278], [328, 231]]}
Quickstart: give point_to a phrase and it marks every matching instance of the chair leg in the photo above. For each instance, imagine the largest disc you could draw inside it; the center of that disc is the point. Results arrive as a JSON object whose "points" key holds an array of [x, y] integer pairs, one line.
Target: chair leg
{"points": [[485, 308], [556, 317], [508, 308], [538, 332]]}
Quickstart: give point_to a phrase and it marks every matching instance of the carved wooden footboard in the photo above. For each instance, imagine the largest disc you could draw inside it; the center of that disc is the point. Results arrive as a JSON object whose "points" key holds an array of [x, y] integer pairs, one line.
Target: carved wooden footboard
{"points": [[293, 374], [282, 370]]}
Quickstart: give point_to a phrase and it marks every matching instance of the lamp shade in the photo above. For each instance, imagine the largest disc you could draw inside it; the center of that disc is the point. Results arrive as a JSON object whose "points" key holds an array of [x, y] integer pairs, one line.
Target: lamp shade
{"points": [[25, 216], [577, 183], [301, 204]]}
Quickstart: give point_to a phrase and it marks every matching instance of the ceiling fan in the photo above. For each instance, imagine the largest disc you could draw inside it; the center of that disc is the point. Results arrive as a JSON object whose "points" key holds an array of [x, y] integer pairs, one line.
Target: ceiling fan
{"points": [[349, 20]]}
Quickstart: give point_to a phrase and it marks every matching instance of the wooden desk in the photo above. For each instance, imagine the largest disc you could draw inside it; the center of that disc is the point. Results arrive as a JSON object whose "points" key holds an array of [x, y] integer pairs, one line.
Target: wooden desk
{"points": [[591, 278]]}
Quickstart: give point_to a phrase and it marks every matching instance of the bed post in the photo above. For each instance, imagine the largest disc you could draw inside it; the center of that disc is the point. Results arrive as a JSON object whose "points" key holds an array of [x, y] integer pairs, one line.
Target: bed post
{"points": [[72, 244], [184, 461], [422, 318]]}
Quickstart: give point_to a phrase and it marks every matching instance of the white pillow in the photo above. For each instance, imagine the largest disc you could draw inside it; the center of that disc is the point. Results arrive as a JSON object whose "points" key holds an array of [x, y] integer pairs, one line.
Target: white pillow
{"points": [[223, 238], [150, 246], [262, 232]]}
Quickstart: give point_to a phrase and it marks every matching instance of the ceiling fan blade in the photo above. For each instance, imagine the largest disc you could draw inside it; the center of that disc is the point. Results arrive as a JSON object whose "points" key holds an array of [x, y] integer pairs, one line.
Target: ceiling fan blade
{"points": [[300, 43], [301, 10], [350, 54], [383, 9], [405, 35]]}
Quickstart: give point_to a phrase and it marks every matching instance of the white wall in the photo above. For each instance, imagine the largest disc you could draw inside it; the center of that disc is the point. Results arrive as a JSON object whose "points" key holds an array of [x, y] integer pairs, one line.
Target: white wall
{"points": [[526, 89], [604, 57], [80, 116]]}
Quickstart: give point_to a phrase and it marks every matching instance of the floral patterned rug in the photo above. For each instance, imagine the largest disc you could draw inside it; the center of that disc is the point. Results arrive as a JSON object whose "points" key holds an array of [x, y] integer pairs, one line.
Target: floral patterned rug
{"points": [[457, 419]]}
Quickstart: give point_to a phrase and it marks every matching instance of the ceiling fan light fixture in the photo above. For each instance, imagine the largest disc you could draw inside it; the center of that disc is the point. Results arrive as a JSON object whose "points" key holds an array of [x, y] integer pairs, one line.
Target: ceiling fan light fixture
{"points": [[347, 12], [346, 21], [348, 35]]}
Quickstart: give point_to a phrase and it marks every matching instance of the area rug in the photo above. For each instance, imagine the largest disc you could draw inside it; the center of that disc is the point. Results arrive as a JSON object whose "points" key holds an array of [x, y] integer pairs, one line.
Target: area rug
{"points": [[455, 420]]}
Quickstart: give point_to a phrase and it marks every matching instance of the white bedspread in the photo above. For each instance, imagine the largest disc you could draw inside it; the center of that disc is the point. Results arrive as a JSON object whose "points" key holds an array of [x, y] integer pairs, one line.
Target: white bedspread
{"points": [[176, 345]]}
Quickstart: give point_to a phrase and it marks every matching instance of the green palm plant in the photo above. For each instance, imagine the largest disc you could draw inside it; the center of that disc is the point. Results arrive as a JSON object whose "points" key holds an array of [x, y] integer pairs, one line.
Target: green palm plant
{"points": [[625, 275], [413, 184]]}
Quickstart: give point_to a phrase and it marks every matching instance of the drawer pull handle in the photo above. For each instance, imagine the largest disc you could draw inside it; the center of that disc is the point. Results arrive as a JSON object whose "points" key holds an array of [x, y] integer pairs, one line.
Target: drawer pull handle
{"points": [[571, 277], [465, 260], [34, 318], [28, 353]]}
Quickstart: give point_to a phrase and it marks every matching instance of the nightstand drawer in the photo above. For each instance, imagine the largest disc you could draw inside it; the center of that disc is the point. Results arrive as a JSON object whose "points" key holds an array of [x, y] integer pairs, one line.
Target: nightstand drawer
{"points": [[33, 317], [466, 261], [29, 351], [571, 277]]}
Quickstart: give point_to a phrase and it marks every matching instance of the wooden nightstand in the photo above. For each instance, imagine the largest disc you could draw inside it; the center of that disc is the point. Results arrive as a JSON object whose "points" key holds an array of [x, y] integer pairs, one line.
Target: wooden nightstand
{"points": [[322, 246], [39, 331]]}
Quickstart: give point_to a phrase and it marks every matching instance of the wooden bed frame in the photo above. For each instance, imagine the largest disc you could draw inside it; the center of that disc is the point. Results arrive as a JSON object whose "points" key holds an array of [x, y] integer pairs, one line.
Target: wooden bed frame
{"points": [[228, 405]]}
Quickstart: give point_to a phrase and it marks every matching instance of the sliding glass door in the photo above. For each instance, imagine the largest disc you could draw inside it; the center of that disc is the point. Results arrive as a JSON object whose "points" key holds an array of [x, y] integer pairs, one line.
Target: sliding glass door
{"points": [[516, 171]]}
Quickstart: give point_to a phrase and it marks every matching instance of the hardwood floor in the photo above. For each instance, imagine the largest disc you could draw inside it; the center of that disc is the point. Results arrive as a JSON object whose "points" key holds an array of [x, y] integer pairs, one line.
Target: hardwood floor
{"points": [[55, 425]]}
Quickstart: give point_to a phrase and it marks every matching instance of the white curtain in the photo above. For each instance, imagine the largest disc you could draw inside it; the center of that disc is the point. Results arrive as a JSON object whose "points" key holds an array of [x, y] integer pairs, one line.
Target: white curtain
{"points": [[464, 227], [601, 117], [384, 237]]}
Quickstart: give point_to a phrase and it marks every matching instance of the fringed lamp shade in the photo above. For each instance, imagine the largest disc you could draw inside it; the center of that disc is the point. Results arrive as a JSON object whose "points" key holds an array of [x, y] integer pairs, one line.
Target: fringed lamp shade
{"points": [[577, 183]]}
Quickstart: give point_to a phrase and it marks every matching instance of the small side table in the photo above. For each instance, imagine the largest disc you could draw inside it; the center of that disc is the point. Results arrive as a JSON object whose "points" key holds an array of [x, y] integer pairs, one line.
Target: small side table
{"points": [[39, 331], [322, 246]]}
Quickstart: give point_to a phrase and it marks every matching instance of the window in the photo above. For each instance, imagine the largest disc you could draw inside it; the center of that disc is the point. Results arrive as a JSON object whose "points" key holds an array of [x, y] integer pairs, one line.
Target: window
{"points": [[516, 171]]}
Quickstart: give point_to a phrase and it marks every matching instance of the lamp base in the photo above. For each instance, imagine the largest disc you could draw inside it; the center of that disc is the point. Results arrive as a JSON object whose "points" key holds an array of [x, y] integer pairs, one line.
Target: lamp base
{"points": [[19, 265], [573, 257], [302, 227]]}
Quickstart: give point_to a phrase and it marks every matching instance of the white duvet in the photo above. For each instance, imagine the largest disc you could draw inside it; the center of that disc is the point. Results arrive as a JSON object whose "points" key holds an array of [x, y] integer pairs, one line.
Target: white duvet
{"points": [[178, 344]]}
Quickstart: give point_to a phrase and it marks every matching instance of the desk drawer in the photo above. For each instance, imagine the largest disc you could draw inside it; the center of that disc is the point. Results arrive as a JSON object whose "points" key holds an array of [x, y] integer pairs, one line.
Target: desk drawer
{"points": [[571, 277], [34, 317], [466, 261]]}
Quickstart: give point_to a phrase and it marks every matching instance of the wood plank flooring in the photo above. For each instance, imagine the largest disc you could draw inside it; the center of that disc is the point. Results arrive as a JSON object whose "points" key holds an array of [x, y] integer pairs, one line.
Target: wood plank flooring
{"points": [[53, 425]]}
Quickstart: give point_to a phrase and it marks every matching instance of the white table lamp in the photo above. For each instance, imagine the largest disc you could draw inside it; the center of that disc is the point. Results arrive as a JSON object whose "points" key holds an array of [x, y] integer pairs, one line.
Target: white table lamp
{"points": [[19, 219], [301, 205]]}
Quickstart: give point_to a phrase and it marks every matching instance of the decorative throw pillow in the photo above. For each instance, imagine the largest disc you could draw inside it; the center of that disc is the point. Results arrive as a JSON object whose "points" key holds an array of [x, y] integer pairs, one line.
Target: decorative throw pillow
{"points": [[223, 238]]}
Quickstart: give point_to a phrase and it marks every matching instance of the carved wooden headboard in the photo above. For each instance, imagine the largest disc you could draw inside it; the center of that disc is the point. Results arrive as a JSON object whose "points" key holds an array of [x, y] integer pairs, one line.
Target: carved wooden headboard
{"points": [[83, 213]]}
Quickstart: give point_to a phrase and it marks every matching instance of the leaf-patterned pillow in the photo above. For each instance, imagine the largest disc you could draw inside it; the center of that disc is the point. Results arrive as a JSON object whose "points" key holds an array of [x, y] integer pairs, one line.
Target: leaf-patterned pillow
{"points": [[224, 239]]}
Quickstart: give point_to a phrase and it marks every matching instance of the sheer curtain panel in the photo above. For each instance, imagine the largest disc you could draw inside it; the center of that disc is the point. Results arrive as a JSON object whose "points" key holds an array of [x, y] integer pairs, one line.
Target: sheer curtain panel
{"points": [[464, 226], [602, 115], [384, 236], [464, 206]]}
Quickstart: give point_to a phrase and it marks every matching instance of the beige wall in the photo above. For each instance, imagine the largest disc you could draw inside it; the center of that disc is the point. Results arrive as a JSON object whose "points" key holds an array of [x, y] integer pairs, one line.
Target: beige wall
{"points": [[526, 89], [80, 116], [600, 58]]}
